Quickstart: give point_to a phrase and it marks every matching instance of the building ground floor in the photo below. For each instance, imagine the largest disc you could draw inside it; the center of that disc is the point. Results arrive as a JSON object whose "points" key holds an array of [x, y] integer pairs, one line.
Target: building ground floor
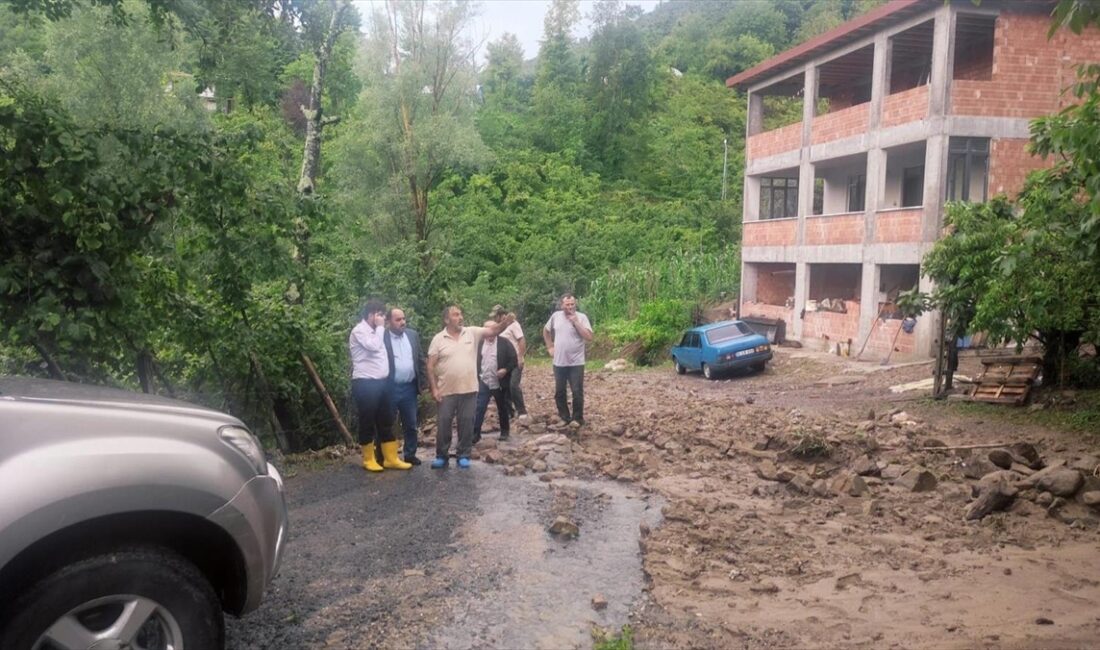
{"points": [[830, 303]]}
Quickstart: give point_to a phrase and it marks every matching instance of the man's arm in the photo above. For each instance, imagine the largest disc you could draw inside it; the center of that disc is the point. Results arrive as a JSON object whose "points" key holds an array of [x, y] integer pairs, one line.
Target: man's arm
{"points": [[431, 377], [521, 351], [420, 361], [372, 343], [548, 338]]}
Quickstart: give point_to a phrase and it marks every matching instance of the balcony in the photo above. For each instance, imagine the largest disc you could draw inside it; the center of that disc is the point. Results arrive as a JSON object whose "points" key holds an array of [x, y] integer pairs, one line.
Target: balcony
{"points": [[897, 226], [834, 229], [840, 124], [776, 141], [906, 106]]}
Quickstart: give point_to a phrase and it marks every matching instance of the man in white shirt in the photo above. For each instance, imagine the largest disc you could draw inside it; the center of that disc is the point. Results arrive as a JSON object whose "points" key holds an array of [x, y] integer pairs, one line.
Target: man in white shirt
{"points": [[565, 335], [370, 386], [496, 360]]}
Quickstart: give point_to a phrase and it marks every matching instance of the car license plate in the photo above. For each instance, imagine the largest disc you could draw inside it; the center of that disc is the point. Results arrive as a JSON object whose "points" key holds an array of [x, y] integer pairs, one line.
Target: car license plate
{"points": [[744, 353]]}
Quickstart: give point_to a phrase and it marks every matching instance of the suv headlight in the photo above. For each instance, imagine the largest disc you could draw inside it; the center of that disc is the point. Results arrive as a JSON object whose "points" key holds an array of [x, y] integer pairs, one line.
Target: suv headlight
{"points": [[246, 444]]}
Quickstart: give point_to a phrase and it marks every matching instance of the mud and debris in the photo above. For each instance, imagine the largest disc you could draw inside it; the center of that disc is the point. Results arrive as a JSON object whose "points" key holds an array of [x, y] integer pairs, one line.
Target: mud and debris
{"points": [[806, 506]]}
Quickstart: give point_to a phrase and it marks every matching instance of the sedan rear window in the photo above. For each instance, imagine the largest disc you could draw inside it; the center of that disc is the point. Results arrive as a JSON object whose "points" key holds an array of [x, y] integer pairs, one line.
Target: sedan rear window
{"points": [[727, 333]]}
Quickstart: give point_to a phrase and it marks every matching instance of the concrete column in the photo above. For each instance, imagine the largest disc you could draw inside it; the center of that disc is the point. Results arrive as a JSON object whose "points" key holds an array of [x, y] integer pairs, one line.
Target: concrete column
{"points": [[880, 79], [805, 169], [868, 301], [801, 290], [876, 184], [935, 182], [749, 275], [943, 62], [750, 207], [755, 121], [928, 324]]}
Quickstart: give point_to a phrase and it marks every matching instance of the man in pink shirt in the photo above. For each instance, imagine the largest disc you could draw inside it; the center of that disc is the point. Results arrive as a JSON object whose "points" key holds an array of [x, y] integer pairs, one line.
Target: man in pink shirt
{"points": [[371, 388]]}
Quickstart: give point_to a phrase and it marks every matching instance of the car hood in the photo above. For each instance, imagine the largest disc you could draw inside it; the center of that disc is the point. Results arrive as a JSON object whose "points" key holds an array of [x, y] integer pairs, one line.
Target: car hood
{"points": [[64, 392]]}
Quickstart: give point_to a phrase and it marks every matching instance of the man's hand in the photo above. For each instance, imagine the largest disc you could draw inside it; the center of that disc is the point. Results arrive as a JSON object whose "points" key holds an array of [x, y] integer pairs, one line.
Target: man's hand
{"points": [[550, 351], [436, 396], [501, 372]]}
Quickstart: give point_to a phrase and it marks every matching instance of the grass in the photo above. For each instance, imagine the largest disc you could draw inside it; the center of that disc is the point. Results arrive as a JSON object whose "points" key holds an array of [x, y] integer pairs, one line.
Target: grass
{"points": [[624, 640], [1082, 416], [810, 445]]}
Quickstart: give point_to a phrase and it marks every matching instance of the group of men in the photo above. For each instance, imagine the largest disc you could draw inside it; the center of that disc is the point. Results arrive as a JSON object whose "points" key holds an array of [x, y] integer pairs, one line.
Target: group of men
{"points": [[464, 368]]}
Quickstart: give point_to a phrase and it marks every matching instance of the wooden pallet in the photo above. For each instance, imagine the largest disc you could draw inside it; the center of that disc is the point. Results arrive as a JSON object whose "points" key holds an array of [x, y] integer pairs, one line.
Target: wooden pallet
{"points": [[1006, 380]]}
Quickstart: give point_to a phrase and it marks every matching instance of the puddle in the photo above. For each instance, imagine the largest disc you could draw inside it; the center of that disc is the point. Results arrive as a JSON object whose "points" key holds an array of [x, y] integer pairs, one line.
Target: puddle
{"points": [[539, 589]]}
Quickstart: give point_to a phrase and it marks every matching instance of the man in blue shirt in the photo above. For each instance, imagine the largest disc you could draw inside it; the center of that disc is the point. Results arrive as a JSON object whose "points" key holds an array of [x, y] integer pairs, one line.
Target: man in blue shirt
{"points": [[407, 374]]}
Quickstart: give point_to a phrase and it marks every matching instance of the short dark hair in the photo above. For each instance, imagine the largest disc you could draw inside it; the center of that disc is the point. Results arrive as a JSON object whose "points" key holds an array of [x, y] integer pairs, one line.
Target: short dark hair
{"points": [[389, 312], [567, 294], [447, 310], [372, 307]]}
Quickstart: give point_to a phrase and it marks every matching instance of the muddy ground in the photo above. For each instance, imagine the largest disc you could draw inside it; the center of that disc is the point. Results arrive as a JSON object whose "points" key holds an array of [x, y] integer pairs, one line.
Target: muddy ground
{"points": [[807, 506]]}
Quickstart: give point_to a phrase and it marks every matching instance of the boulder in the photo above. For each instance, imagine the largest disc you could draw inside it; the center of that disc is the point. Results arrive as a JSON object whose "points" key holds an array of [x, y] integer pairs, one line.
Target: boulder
{"points": [[1027, 454], [850, 484], [995, 492], [1062, 482], [1086, 464], [917, 479], [864, 466], [766, 470], [977, 466], [564, 528], [1001, 458], [1091, 498], [892, 472]]}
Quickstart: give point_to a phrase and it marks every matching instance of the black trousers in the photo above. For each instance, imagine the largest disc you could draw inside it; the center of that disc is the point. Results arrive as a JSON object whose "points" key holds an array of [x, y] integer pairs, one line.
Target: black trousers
{"points": [[574, 376], [374, 402]]}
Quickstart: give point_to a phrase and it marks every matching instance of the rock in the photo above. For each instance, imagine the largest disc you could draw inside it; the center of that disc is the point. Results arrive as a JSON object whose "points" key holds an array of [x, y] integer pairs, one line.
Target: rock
{"points": [[866, 426], [1062, 482], [873, 508], [901, 417], [1044, 499], [765, 587], [917, 479], [1027, 454], [892, 472], [599, 603], [800, 483], [617, 429], [1086, 464], [1022, 469], [564, 528], [766, 470], [616, 365], [864, 466], [409, 573], [995, 492], [1001, 458], [850, 484], [539, 466], [933, 442], [1051, 467], [977, 466], [1091, 498], [820, 487], [784, 475], [850, 580], [493, 456], [1042, 620]]}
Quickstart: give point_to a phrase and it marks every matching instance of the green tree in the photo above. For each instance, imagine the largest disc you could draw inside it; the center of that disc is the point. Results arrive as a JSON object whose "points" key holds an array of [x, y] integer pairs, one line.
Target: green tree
{"points": [[557, 103]]}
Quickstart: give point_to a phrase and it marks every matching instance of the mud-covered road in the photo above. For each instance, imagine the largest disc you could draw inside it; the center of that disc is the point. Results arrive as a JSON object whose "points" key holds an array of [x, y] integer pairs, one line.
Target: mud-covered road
{"points": [[806, 506]]}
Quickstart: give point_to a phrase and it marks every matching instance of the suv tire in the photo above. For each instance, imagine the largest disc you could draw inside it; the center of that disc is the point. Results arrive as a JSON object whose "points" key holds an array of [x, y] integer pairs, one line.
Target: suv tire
{"points": [[148, 597]]}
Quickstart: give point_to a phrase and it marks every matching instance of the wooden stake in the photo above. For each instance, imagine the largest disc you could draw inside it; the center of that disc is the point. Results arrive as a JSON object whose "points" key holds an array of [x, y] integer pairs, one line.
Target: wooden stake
{"points": [[323, 392]]}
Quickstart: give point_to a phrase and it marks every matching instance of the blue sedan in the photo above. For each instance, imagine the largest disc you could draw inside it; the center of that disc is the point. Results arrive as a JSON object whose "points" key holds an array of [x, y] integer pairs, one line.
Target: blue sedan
{"points": [[718, 347]]}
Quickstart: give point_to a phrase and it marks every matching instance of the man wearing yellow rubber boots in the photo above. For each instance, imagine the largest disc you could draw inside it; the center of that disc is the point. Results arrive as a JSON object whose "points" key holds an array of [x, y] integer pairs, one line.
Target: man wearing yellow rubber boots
{"points": [[371, 388]]}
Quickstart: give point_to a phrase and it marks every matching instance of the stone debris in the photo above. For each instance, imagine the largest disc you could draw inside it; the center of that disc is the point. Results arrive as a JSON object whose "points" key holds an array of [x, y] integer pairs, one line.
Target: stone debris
{"points": [[917, 479], [1061, 482], [564, 528], [995, 492], [599, 603]]}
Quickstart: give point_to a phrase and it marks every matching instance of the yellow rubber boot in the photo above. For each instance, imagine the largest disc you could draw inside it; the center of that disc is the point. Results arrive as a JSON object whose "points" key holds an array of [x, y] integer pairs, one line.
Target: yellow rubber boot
{"points": [[370, 463], [390, 459]]}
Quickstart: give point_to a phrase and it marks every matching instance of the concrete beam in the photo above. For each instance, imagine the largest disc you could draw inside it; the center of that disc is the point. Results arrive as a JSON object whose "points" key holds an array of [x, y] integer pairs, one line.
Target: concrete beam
{"points": [[801, 291]]}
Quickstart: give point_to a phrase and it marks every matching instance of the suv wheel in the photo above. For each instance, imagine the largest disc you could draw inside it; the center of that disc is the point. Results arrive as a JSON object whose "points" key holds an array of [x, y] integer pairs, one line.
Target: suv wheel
{"points": [[144, 598]]}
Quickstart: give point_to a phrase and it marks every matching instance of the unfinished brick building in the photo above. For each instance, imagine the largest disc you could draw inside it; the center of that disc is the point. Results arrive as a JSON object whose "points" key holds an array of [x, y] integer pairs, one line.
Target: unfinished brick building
{"points": [[858, 137]]}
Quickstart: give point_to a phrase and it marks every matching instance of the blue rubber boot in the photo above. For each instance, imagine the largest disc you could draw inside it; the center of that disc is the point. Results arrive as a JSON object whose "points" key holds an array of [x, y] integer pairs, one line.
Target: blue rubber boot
{"points": [[440, 463]]}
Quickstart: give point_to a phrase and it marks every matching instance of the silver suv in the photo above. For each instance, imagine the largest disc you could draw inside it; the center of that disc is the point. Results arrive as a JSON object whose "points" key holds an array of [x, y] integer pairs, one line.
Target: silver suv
{"points": [[128, 520]]}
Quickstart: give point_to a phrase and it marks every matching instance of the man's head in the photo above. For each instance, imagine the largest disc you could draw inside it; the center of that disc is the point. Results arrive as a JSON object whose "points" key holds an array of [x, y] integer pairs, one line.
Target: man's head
{"points": [[395, 320], [568, 304], [374, 312], [452, 317], [490, 337], [497, 312]]}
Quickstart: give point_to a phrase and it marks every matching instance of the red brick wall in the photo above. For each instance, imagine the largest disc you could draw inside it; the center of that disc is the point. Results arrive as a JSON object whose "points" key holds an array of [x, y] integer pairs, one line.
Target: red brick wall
{"points": [[774, 288], [773, 232], [1009, 165], [898, 226], [835, 229], [840, 124], [904, 107], [882, 337], [818, 325], [1029, 71], [769, 143]]}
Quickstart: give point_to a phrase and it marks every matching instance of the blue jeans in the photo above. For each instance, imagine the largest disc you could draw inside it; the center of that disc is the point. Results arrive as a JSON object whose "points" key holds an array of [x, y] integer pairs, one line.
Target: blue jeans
{"points": [[499, 396], [404, 404]]}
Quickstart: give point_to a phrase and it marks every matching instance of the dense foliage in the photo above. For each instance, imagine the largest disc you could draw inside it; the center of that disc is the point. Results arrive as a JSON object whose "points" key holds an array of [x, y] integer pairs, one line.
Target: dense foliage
{"points": [[153, 234]]}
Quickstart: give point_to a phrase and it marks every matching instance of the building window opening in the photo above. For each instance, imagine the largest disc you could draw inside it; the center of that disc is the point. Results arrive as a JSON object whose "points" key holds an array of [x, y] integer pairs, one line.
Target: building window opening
{"points": [[895, 279], [834, 287], [968, 169], [912, 186], [778, 197], [777, 105], [904, 182], [774, 285], [840, 185], [974, 47], [911, 58], [845, 81]]}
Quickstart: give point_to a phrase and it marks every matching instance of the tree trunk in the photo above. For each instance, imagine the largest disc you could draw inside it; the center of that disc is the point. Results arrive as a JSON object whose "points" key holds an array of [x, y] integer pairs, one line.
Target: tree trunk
{"points": [[265, 389], [145, 371], [51, 364], [311, 157]]}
